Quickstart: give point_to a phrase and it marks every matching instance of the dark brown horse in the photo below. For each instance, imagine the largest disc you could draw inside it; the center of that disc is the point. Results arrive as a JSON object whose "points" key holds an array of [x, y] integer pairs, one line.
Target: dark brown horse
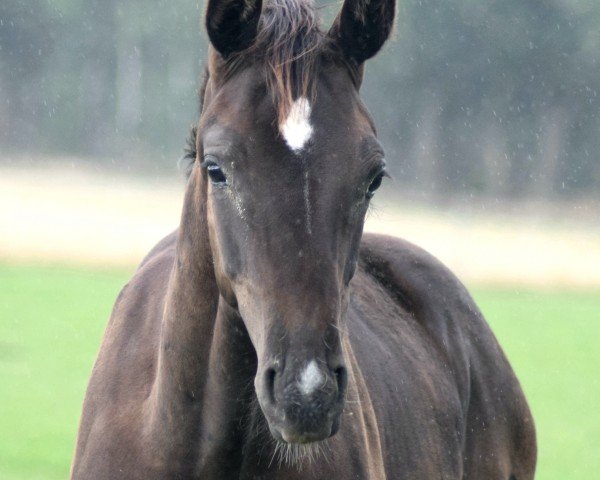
{"points": [[267, 338]]}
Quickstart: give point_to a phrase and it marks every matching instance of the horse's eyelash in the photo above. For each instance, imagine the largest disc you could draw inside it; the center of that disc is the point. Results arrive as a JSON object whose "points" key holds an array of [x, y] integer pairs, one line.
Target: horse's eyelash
{"points": [[209, 160]]}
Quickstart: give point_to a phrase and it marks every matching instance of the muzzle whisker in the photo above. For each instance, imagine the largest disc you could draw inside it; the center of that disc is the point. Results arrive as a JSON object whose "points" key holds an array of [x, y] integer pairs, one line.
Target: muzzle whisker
{"points": [[296, 455]]}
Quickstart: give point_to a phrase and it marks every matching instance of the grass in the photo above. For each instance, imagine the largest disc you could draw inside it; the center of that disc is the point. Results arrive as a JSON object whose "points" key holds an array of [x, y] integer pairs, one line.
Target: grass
{"points": [[552, 340], [51, 323], [52, 319]]}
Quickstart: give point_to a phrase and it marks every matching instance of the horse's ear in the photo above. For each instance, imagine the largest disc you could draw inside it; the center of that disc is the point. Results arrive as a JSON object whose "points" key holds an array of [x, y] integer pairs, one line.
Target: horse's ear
{"points": [[232, 24], [362, 27]]}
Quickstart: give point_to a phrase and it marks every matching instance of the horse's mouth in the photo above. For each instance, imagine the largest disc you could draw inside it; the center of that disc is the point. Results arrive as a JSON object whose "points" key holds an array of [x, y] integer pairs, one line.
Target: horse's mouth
{"points": [[300, 438], [297, 436]]}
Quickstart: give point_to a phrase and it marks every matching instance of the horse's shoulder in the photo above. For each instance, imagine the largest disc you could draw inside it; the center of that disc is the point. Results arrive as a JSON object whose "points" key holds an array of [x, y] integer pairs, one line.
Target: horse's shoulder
{"points": [[433, 296], [418, 277], [123, 369], [134, 323], [436, 299]]}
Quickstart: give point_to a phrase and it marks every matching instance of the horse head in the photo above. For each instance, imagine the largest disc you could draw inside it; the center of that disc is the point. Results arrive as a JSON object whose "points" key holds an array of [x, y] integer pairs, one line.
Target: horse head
{"points": [[288, 160]]}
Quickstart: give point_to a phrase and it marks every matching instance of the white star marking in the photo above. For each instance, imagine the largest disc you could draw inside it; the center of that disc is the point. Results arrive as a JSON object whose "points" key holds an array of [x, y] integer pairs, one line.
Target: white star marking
{"points": [[296, 129], [311, 378]]}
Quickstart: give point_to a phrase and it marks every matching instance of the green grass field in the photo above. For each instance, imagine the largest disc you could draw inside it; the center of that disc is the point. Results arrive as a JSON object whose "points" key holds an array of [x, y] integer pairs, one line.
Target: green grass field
{"points": [[52, 319]]}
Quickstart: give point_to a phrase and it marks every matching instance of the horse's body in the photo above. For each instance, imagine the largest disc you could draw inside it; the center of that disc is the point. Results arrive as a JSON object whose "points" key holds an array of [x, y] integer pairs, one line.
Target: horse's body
{"points": [[446, 402], [264, 339]]}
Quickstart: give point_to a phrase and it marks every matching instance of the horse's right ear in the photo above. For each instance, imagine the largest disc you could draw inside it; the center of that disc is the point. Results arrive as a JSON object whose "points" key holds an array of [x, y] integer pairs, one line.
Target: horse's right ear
{"points": [[232, 24], [362, 27]]}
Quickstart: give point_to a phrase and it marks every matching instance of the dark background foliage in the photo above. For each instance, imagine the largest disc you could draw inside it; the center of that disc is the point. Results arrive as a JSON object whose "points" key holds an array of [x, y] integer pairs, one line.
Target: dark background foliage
{"points": [[489, 97]]}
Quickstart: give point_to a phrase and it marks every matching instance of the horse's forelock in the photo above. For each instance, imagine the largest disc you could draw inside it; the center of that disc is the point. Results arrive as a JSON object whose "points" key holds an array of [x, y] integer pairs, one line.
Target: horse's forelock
{"points": [[288, 42]]}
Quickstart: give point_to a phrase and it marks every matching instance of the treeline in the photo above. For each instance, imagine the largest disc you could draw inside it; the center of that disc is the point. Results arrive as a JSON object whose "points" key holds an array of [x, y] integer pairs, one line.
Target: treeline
{"points": [[495, 97], [106, 78]]}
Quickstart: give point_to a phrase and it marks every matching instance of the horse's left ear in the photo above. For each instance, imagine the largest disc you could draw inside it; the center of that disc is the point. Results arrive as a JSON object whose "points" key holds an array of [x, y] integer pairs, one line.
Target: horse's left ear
{"points": [[232, 24], [362, 27]]}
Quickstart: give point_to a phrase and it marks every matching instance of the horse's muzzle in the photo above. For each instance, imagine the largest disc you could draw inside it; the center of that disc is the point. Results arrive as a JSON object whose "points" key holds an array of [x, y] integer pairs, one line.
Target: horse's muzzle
{"points": [[304, 404]]}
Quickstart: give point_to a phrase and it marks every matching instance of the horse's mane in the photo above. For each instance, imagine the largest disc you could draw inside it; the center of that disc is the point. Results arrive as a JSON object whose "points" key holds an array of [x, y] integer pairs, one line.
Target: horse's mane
{"points": [[288, 42]]}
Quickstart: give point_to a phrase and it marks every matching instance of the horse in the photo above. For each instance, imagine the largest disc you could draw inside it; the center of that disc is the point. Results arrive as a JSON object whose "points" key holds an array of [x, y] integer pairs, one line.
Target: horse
{"points": [[267, 337]]}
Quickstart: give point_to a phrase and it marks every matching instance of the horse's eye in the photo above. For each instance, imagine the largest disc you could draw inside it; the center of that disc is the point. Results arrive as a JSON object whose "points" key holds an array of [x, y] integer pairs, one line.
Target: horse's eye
{"points": [[375, 184], [216, 175]]}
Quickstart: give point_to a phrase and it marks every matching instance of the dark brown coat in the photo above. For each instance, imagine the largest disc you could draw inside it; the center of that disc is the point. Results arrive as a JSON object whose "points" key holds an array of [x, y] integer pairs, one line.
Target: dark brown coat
{"points": [[268, 338]]}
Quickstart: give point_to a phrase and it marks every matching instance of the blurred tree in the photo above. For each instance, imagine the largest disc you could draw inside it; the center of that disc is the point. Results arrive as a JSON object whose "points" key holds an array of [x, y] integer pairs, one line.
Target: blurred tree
{"points": [[25, 45], [498, 97], [497, 88], [99, 77]]}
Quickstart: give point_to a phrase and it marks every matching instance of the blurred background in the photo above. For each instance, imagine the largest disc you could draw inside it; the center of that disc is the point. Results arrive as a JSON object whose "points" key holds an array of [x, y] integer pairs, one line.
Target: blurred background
{"points": [[489, 114]]}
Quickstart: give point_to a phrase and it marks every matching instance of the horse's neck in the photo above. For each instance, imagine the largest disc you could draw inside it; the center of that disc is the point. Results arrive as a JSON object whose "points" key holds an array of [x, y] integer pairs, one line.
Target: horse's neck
{"points": [[228, 397], [205, 360], [174, 407]]}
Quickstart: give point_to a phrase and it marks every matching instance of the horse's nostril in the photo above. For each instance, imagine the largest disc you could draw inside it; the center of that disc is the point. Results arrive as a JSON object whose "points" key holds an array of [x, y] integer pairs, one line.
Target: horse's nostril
{"points": [[270, 375], [341, 376]]}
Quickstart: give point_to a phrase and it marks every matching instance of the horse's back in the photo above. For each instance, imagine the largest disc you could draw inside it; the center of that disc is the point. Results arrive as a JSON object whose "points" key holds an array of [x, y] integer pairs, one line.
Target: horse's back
{"points": [[439, 381]]}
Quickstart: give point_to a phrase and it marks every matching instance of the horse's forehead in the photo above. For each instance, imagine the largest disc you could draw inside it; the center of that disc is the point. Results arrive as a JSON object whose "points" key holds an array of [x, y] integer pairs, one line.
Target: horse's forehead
{"points": [[235, 104], [332, 118]]}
